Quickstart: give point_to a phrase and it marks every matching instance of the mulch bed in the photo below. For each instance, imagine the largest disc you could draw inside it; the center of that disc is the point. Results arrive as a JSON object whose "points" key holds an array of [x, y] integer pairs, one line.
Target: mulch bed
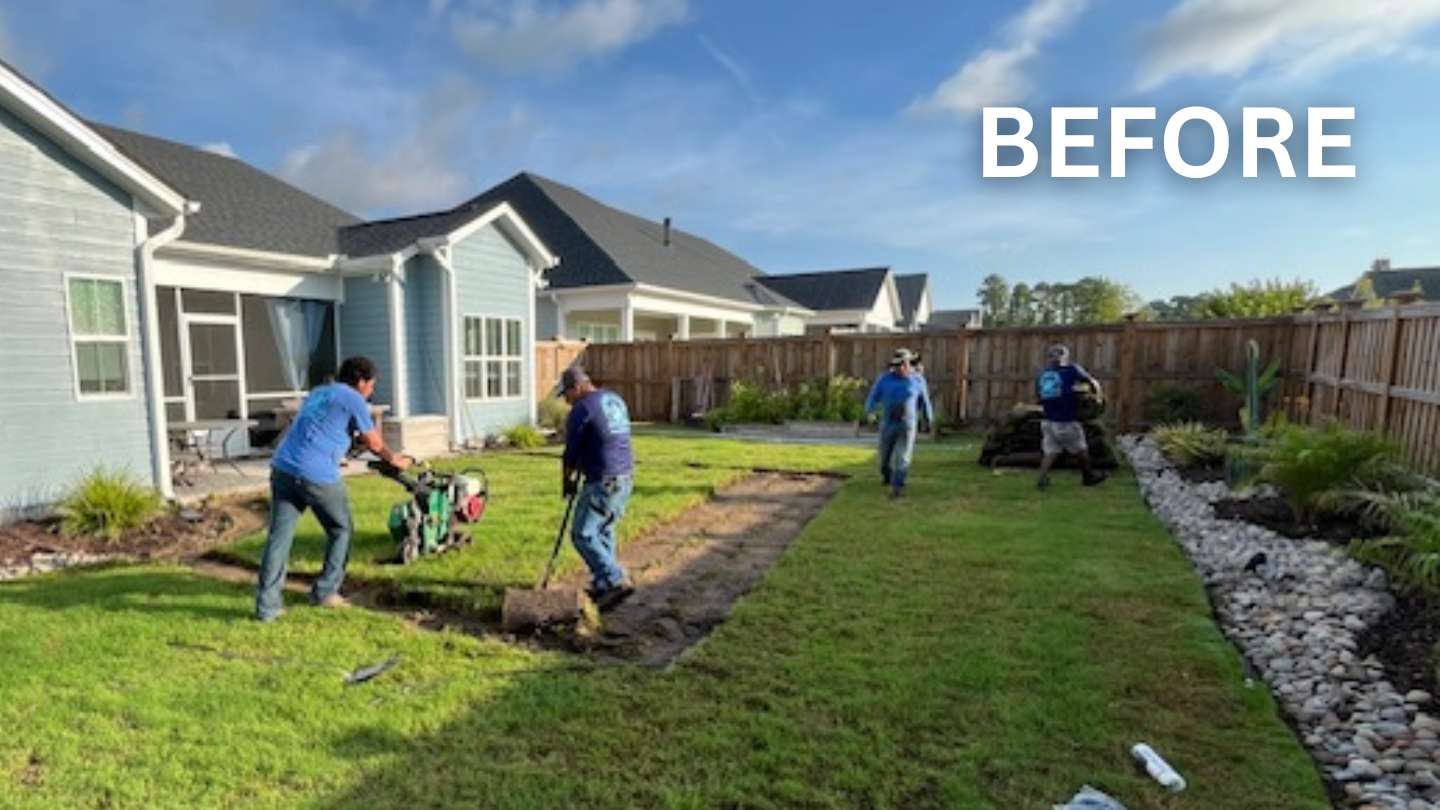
{"points": [[177, 534], [1404, 640], [1202, 474], [1274, 513]]}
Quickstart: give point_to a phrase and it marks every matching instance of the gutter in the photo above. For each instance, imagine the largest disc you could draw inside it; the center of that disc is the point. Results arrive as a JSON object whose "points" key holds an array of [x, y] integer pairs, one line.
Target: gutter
{"points": [[154, 376]]}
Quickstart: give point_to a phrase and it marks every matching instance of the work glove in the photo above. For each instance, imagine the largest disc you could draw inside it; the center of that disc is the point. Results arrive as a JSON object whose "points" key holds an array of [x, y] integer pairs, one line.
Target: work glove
{"points": [[570, 487]]}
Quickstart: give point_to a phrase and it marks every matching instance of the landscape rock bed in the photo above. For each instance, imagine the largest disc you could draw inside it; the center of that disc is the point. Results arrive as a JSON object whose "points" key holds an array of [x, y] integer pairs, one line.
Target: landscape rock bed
{"points": [[1298, 609]]}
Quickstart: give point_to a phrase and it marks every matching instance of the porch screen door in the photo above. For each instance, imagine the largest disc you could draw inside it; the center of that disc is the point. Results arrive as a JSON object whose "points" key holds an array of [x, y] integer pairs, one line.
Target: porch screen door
{"points": [[214, 378]]}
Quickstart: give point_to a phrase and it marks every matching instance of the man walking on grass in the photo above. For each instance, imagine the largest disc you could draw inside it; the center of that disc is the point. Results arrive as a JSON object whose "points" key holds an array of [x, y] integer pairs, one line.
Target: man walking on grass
{"points": [[1061, 431], [597, 446], [900, 396], [305, 474]]}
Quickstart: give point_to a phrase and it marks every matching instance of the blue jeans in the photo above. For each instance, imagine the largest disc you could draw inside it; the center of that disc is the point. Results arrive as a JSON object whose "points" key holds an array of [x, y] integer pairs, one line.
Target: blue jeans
{"points": [[289, 498], [598, 507], [897, 445]]}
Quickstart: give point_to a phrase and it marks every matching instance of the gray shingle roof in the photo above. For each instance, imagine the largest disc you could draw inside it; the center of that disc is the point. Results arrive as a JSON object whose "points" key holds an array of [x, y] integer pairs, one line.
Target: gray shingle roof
{"points": [[240, 206], [946, 319], [831, 289], [1390, 282], [910, 287]]}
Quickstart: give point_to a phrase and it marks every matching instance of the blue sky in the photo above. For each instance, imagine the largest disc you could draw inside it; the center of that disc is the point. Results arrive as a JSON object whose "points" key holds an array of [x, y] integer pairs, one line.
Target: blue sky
{"points": [[802, 135]]}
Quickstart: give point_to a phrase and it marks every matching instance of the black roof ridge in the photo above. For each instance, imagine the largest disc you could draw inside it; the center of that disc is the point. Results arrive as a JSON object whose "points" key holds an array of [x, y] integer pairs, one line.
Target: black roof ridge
{"points": [[883, 267]]}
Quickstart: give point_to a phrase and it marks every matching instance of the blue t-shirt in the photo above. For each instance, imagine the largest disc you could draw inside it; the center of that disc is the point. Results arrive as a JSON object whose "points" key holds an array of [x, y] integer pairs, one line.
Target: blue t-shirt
{"points": [[597, 436], [320, 435], [1056, 389], [900, 399]]}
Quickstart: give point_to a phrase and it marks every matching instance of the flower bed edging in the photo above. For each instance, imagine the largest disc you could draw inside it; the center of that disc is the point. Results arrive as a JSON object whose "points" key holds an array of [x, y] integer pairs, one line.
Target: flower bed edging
{"points": [[1295, 609]]}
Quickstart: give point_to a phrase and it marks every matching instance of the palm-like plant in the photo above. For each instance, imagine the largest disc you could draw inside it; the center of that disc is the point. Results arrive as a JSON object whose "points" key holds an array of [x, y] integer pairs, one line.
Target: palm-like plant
{"points": [[1411, 556]]}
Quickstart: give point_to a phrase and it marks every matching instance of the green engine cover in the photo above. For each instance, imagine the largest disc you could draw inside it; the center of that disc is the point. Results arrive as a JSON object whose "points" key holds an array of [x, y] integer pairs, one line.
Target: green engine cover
{"points": [[416, 533]]}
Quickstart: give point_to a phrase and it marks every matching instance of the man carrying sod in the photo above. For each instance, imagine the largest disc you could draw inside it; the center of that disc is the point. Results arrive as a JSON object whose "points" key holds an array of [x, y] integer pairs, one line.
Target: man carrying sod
{"points": [[597, 446], [305, 474], [1061, 431], [902, 399]]}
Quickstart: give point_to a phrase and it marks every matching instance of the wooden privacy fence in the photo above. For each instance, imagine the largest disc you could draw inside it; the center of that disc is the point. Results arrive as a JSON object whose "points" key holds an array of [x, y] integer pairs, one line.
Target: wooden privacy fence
{"points": [[1371, 369], [552, 357]]}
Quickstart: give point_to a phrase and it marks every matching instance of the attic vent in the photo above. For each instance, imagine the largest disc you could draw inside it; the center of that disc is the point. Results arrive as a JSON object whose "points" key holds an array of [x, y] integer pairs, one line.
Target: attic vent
{"points": [[666, 237]]}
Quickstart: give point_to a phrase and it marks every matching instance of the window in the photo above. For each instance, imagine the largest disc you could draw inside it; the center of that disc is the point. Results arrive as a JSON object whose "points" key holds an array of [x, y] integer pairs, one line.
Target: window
{"points": [[99, 336], [598, 332], [493, 364]]}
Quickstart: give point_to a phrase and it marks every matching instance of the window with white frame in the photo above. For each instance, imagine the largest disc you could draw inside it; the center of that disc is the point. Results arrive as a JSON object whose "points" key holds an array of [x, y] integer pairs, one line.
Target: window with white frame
{"points": [[99, 336], [493, 352], [598, 332]]}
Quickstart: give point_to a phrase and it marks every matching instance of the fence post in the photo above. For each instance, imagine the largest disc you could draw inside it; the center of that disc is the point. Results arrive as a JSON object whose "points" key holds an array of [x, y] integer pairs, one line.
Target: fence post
{"points": [[1344, 362], [962, 377], [1127, 374], [1307, 384], [1391, 366], [831, 361]]}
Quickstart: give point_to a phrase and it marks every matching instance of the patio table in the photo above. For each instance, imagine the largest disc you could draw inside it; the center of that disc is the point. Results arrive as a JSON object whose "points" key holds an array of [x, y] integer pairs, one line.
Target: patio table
{"points": [[189, 451]]}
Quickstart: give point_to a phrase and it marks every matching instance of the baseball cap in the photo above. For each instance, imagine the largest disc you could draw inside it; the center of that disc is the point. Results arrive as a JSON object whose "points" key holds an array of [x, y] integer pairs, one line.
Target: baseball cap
{"points": [[573, 377]]}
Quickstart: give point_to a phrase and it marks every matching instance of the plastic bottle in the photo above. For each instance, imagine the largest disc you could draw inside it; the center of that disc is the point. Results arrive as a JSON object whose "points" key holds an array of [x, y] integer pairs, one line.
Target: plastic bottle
{"points": [[1158, 768]]}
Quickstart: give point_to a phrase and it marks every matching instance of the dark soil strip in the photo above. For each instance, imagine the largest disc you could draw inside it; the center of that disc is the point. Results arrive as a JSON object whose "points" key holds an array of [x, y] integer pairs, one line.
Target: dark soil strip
{"points": [[1274, 513], [690, 572], [180, 534], [1405, 641]]}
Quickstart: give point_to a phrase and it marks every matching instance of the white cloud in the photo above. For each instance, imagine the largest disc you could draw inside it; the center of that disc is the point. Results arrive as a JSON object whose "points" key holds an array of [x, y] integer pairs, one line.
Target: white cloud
{"points": [[999, 75], [222, 148], [732, 66], [1283, 38], [530, 35], [423, 168]]}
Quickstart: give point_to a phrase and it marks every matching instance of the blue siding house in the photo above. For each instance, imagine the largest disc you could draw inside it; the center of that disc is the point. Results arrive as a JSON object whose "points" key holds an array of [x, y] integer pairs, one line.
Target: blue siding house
{"points": [[150, 289]]}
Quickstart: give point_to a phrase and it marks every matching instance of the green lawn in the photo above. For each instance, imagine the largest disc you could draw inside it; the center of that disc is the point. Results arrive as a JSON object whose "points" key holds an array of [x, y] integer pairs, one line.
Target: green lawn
{"points": [[974, 646]]}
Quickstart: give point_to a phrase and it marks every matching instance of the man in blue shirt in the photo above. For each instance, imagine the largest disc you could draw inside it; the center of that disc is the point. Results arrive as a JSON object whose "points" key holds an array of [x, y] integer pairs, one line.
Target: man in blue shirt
{"points": [[597, 447], [1061, 431], [305, 474], [902, 399]]}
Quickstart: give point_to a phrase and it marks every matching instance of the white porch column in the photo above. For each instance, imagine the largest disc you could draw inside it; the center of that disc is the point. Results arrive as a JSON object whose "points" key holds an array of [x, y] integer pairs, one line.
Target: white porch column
{"points": [[400, 400], [684, 327], [722, 328], [627, 321]]}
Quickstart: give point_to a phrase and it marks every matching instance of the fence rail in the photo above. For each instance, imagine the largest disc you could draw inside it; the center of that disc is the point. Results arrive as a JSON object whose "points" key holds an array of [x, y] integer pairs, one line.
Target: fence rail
{"points": [[1371, 369]]}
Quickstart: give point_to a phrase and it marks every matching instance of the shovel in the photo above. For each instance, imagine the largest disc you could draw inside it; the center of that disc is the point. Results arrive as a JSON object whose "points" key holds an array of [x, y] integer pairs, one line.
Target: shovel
{"points": [[526, 611]]}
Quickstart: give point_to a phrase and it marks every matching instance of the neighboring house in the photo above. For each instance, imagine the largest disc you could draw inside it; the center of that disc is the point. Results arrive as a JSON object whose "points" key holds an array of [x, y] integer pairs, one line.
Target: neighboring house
{"points": [[624, 278], [863, 300], [916, 302], [944, 320], [1383, 283], [148, 284]]}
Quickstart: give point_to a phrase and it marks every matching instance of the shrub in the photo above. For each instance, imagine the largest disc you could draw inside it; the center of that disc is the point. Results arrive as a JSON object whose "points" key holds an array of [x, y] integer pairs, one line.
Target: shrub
{"points": [[552, 413], [1310, 465], [524, 437], [1167, 403], [1189, 444], [107, 504], [1411, 556], [839, 399]]}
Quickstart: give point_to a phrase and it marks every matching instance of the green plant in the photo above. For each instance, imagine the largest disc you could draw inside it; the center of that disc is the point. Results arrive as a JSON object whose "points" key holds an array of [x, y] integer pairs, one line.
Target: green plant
{"points": [[1411, 556], [108, 503], [1252, 387], [524, 437], [1310, 465], [1191, 443], [552, 413], [1170, 402], [839, 399]]}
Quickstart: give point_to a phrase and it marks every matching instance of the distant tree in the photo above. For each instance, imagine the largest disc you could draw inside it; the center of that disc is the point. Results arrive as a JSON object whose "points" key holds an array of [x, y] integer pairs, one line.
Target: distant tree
{"points": [[1044, 303], [1260, 299], [1100, 300], [994, 295], [1177, 308], [1022, 304]]}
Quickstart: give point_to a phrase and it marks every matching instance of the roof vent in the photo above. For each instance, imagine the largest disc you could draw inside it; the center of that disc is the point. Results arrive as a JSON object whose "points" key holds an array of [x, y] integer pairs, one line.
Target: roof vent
{"points": [[666, 237], [1378, 266]]}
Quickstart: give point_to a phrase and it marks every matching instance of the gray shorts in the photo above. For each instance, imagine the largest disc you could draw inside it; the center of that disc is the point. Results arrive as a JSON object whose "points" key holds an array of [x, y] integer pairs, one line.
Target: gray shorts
{"points": [[1062, 437]]}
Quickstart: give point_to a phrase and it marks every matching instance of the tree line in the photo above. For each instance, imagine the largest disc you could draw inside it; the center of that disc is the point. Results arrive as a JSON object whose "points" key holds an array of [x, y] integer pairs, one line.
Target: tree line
{"points": [[1096, 299]]}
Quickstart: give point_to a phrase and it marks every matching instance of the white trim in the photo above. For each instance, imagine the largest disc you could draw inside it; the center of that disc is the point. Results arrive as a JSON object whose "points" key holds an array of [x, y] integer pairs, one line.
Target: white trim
{"points": [[536, 249], [399, 370], [124, 340], [256, 259], [527, 342], [486, 357], [154, 363], [43, 113], [172, 271], [450, 357], [672, 293]]}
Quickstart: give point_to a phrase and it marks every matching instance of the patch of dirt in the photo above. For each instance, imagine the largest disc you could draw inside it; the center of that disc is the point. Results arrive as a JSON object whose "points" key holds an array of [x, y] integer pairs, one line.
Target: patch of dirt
{"points": [[690, 572], [1202, 474], [181, 533], [1272, 512], [1404, 640]]}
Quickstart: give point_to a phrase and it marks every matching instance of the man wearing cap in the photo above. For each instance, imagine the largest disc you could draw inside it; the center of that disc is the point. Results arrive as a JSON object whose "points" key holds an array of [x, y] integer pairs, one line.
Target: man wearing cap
{"points": [[900, 396], [597, 447], [1061, 431]]}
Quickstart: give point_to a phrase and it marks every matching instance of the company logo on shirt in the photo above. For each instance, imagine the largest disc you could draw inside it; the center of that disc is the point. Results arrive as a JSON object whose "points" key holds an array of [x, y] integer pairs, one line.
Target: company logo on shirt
{"points": [[616, 416], [1051, 385]]}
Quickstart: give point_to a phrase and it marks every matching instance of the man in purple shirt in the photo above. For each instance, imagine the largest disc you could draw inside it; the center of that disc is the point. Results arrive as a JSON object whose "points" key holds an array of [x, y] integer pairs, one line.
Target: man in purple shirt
{"points": [[597, 447]]}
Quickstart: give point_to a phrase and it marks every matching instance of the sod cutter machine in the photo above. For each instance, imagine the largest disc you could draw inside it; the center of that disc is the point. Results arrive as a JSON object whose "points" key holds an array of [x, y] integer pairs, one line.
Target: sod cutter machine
{"points": [[440, 505]]}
